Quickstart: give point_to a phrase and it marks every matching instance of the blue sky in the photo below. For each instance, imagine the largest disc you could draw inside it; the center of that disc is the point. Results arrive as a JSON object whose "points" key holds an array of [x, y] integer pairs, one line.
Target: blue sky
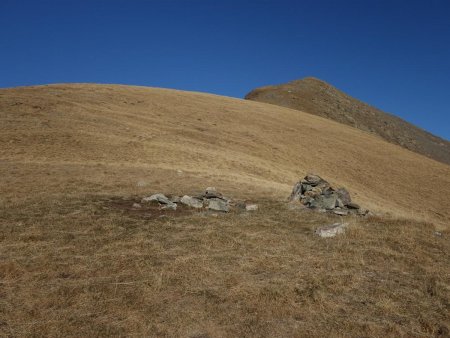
{"points": [[395, 55]]}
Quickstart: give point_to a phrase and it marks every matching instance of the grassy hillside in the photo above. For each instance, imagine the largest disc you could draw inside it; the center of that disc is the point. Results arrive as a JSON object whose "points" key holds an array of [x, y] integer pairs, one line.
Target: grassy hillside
{"points": [[317, 97], [71, 137], [75, 264]]}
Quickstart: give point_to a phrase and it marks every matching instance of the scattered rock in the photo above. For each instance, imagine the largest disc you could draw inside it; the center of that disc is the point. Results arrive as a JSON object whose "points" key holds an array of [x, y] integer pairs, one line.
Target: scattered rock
{"points": [[175, 199], [362, 212], [332, 230], [313, 179], [339, 203], [340, 212], [240, 205], [344, 196], [167, 204], [297, 192], [251, 207], [352, 205], [191, 202], [211, 192], [211, 199], [171, 206], [218, 204], [327, 202], [160, 198]]}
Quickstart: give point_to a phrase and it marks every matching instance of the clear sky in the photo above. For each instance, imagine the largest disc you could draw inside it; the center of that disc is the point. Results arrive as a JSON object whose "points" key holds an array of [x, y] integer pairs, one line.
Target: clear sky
{"points": [[394, 55]]}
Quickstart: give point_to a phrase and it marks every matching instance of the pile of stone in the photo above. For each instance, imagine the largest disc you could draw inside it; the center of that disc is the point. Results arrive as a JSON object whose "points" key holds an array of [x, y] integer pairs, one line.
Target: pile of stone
{"points": [[316, 193], [210, 199]]}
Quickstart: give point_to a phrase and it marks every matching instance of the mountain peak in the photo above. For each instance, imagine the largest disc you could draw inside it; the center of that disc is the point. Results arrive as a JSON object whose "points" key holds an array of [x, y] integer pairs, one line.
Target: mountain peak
{"points": [[317, 97]]}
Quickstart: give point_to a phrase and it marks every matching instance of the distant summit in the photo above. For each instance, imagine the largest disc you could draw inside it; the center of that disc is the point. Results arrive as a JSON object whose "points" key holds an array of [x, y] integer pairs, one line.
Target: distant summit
{"points": [[317, 97]]}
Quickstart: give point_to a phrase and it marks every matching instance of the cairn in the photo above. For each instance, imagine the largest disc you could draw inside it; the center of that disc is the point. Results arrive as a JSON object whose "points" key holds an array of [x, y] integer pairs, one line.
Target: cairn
{"points": [[315, 193]]}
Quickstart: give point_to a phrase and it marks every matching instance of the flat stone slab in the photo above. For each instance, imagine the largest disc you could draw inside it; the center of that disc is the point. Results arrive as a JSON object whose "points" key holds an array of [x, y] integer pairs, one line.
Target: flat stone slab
{"points": [[171, 206], [160, 198], [331, 230], [191, 202], [340, 212], [352, 205], [251, 207], [217, 204]]}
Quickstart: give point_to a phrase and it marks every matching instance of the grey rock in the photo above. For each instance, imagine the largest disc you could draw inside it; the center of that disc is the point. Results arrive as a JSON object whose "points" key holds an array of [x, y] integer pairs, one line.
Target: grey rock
{"points": [[160, 198], [326, 190], [169, 206], [191, 202], [362, 212], [251, 207], [218, 204], [332, 230], [296, 192], [136, 206], [324, 202], [313, 193], [344, 196], [211, 192], [313, 179], [307, 200], [352, 205], [240, 205], [339, 203], [340, 212], [175, 199]]}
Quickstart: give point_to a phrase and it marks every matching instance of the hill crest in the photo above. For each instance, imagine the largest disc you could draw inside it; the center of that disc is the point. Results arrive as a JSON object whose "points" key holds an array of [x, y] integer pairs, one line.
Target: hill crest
{"points": [[317, 97]]}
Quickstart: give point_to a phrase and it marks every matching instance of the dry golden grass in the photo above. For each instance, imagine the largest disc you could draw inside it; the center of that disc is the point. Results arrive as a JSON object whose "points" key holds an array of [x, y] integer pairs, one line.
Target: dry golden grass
{"points": [[72, 268], [71, 265]]}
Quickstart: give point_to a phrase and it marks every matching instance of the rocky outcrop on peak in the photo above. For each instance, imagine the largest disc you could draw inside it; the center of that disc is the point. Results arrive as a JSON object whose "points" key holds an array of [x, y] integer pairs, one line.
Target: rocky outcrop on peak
{"points": [[317, 97]]}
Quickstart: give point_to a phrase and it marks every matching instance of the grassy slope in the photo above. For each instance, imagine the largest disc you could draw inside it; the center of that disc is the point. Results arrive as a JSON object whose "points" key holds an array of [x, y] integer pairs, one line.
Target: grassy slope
{"points": [[97, 131], [71, 265]]}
